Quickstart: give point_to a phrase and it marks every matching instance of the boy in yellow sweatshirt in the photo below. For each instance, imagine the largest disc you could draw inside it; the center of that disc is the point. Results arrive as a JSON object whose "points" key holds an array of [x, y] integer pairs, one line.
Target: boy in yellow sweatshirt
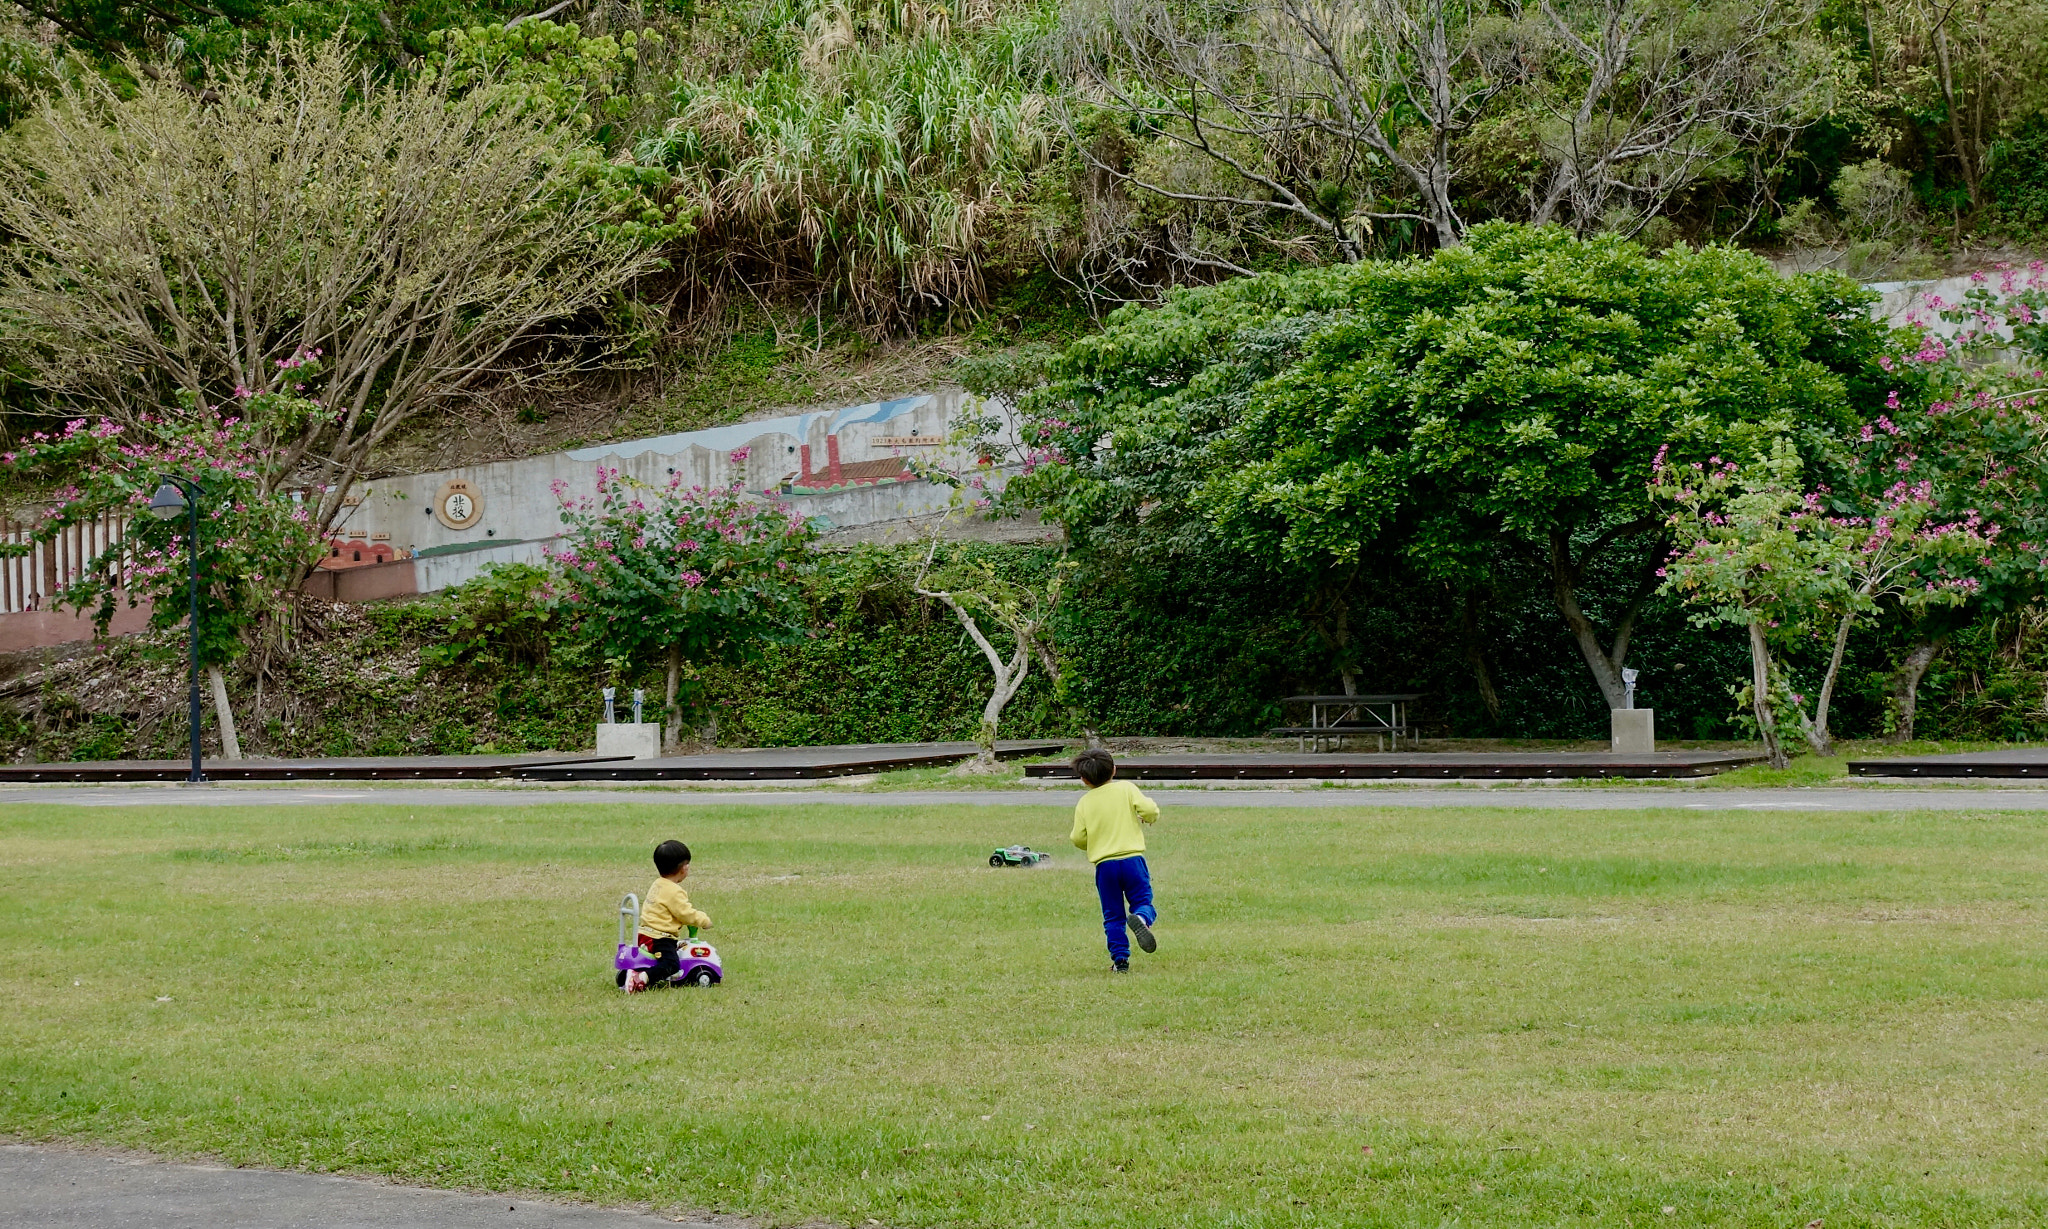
{"points": [[1109, 823], [663, 915]]}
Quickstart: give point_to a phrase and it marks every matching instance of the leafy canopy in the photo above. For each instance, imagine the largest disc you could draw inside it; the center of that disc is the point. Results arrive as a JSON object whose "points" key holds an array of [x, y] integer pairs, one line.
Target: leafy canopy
{"points": [[1507, 392]]}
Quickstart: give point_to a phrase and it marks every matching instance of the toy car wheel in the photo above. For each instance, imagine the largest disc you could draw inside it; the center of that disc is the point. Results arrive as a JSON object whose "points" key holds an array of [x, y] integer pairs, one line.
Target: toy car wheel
{"points": [[701, 977], [995, 859]]}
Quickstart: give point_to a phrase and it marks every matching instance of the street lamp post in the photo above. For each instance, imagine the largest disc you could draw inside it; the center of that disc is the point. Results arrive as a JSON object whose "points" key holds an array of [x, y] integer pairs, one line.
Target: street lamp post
{"points": [[174, 496]]}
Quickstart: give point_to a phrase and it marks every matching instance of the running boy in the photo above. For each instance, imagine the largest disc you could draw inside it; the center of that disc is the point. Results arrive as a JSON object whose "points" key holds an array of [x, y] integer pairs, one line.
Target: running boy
{"points": [[664, 915], [1108, 824]]}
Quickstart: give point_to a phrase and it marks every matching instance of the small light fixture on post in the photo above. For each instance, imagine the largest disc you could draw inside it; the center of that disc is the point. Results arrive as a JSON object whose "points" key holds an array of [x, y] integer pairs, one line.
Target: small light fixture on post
{"points": [[174, 496]]}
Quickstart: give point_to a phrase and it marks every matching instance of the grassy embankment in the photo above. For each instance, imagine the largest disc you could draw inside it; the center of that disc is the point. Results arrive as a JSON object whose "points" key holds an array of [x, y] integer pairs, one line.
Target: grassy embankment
{"points": [[1477, 1017]]}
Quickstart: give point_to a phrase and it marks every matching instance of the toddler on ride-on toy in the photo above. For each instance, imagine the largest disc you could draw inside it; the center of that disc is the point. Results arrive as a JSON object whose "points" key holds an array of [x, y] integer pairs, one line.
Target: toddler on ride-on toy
{"points": [[661, 925]]}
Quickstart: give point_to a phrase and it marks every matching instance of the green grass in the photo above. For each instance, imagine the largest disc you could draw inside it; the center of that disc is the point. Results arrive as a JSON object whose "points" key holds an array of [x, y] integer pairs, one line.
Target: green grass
{"points": [[1828, 770], [1356, 1017]]}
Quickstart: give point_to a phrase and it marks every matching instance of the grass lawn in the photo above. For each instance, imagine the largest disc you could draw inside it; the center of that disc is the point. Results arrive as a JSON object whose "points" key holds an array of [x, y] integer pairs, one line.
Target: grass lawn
{"points": [[1356, 1017]]}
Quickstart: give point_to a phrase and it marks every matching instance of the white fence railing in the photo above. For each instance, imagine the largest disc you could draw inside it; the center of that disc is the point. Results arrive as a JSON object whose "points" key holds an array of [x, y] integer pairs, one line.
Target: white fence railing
{"points": [[28, 581]]}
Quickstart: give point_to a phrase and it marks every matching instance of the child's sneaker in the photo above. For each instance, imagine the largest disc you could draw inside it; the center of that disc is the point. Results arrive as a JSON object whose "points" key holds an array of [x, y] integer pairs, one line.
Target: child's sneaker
{"points": [[1121, 966], [1141, 932], [636, 981]]}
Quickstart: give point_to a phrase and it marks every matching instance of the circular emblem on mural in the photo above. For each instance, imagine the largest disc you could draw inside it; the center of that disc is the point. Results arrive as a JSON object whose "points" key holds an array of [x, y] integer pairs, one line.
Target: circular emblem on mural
{"points": [[458, 505]]}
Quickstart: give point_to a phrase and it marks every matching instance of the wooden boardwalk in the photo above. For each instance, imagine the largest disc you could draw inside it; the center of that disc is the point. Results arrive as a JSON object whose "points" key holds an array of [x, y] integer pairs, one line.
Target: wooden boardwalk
{"points": [[1450, 765], [2016, 762], [753, 764], [366, 768], [784, 763]]}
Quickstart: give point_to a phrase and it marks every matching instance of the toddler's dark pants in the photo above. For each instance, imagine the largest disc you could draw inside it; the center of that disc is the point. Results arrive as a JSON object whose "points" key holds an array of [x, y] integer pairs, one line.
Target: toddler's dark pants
{"points": [[1117, 881], [667, 959]]}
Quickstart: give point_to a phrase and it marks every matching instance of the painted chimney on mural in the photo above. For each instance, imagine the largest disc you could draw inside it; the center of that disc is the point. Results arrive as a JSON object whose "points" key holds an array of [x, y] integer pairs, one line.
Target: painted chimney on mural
{"points": [[833, 474], [803, 456]]}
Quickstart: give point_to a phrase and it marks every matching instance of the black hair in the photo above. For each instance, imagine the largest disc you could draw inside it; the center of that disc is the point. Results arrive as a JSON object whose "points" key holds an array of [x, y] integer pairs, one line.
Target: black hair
{"points": [[669, 855], [1096, 766]]}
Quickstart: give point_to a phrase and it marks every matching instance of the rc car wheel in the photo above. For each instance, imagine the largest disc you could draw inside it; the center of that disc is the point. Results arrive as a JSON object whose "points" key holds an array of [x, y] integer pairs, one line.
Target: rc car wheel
{"points": [[995, 859], [701, 977]]}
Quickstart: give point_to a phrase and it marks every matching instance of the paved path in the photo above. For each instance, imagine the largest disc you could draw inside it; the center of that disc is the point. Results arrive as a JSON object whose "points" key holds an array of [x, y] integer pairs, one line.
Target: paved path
{"points": [[1954, 798], [55, 1188]]}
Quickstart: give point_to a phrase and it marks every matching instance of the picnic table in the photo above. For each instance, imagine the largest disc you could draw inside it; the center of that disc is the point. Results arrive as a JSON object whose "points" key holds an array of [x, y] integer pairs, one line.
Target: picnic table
{"points": [[1332, 719]]}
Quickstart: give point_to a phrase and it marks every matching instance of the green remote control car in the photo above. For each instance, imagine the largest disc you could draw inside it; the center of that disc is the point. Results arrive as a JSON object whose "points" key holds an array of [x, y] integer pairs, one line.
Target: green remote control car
{"points": [[1018, 855]]}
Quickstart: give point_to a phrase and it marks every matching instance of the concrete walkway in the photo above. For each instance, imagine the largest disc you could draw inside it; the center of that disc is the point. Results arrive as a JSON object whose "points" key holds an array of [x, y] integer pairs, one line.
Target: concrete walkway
{"points": [[55, 1188], [1560, 798]]}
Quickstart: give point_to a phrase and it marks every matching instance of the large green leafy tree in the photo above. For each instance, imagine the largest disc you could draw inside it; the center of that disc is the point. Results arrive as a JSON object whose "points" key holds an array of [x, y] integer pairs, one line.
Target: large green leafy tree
{"points": [[1430, 419]]}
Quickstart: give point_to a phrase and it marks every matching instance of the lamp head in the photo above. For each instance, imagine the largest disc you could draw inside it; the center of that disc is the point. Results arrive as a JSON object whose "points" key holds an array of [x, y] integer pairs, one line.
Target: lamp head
{"points": [[168, 502]]}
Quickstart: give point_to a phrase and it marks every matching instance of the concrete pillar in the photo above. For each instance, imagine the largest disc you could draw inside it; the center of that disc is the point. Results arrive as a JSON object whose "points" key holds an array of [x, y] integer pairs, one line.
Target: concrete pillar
{"points": [[638, 739], [1632, 731]]}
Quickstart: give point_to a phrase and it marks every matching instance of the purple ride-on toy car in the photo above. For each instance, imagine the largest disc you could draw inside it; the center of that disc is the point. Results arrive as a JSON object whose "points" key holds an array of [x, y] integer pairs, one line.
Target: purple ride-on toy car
{"points": [[701, 966]]}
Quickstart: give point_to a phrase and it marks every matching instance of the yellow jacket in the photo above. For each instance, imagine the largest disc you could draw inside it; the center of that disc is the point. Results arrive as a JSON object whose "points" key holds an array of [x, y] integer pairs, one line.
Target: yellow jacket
{"points": [[1107, 821], [667, 910]]}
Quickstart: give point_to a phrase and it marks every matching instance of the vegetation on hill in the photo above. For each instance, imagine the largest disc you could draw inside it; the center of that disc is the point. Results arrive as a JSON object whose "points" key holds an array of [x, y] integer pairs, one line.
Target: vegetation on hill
{"points": [[673, 214], [862, 173]]}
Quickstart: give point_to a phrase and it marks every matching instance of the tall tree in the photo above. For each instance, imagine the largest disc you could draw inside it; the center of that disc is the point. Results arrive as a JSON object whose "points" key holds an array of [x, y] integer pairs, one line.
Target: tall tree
{"points": [[1298, 101], [1506, 397], [173, 248], [1644, 97]]}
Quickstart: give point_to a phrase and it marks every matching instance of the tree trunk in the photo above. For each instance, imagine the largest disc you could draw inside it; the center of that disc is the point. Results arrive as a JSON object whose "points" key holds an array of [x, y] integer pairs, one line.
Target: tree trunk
{"points": [[1817, 733], [230, 745], [1008, 677], [1907, 691], [1955, 118], [1760, 696], [1475, 657], [1331, 617], [1008, 680], [672, 716], [1605, 662], [1606, 669]]}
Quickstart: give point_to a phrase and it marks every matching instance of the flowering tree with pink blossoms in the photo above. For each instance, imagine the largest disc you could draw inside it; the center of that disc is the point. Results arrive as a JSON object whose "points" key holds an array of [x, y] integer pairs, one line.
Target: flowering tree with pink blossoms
{"points": [[255, 541], [1964, 412], [1757, 549], [680, 574], [1932, 509]]}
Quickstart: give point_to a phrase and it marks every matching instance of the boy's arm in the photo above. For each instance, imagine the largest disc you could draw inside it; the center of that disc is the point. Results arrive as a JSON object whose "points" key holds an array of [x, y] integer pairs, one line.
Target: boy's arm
{"points": [[1079, 836], [1148, 810], [689, 914]]}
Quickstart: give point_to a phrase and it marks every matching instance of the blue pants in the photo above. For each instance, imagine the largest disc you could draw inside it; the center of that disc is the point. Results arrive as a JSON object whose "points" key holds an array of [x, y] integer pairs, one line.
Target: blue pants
{"points": [[1116, 881]]}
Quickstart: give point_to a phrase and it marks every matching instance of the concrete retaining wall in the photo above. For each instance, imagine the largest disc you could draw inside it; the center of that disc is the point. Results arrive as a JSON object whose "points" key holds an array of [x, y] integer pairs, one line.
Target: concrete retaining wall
{"points": [[40, 629]]}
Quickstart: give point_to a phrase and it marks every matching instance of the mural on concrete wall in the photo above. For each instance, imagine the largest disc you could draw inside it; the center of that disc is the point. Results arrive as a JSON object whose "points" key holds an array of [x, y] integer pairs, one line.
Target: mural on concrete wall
{"points": [[849, 468]]}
